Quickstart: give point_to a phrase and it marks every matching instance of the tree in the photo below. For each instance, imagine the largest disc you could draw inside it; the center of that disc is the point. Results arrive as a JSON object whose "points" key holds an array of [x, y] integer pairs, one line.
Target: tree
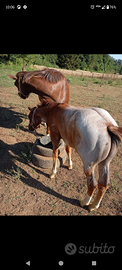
{"points": [[120, 71], [5, 56], [82, 62], [92, 62], [111, 67], [68, 61], [105, 61]]}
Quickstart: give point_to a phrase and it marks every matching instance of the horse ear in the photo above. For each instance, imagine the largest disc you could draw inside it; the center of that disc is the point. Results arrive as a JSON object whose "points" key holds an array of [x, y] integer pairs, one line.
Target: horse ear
{"points": [[23, 69], [44, 102], [12, 76]]}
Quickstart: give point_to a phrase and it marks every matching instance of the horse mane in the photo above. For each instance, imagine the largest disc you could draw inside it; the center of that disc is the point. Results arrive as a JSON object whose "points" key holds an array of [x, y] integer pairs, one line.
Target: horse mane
{"points": [[44, 102], [50, 75]]}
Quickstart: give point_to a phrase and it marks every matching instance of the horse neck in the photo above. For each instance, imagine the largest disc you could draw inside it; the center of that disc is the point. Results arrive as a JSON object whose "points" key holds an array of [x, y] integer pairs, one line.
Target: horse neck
{"points": [[26, 88], [32, 87], [45, 111]]}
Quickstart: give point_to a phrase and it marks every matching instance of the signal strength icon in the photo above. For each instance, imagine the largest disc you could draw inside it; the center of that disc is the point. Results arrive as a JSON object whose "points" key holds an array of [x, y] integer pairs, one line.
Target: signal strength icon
{"points": [[104, 7]]}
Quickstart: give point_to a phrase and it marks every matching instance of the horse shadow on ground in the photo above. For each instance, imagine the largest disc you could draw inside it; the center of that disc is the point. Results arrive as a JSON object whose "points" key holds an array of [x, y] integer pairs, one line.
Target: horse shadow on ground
{"points": [[11, 119], [7, 164]]}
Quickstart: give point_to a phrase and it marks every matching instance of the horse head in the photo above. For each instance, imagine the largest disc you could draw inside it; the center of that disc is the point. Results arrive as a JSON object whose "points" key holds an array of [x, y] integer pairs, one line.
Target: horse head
{"points": [[18, 82], [34, 121], [37, 115]]}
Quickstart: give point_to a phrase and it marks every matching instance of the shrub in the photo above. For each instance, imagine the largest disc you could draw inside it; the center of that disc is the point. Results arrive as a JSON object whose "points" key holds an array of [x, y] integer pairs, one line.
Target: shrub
{"points": [[68, 61], [110, 81]]}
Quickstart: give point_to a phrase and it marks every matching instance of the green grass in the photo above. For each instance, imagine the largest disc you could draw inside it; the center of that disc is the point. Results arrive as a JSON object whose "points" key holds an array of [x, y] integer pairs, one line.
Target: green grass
{"points": [[76, 80], [5, 81], [15, 173], [89, 81]]}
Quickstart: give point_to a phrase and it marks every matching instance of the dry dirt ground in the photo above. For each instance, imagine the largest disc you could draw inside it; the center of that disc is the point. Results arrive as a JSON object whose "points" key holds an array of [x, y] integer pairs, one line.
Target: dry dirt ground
{"points": [[26, 189]]}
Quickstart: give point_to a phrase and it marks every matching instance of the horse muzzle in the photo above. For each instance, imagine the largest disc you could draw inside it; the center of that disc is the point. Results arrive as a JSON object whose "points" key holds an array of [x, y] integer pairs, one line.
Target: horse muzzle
{"points": [[21, 95], [32, 128]]}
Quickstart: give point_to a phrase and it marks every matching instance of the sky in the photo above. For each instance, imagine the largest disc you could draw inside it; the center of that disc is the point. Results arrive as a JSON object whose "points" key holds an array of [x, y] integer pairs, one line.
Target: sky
{"points": [[116, 56]]}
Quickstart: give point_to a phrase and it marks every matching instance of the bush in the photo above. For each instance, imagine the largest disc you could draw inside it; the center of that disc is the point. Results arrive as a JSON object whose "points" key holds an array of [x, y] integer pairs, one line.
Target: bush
{"points": [[68, 61], [110, 81]]}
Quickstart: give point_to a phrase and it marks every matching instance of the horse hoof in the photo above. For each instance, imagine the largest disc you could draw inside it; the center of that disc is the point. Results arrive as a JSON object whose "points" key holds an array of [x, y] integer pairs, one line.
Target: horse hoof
{"points": [[70, 167], [82, 204], [92, 207], [52, 175]]}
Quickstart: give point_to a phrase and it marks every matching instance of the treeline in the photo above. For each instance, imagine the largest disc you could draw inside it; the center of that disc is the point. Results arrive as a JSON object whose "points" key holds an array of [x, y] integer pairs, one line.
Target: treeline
{"points": [[92, 62]]}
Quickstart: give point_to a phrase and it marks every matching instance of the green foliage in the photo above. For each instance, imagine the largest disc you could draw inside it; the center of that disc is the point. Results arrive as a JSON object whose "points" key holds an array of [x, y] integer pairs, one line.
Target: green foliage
{"points": [[92, 62], [120, 71], [68, 61], [110, 81]]}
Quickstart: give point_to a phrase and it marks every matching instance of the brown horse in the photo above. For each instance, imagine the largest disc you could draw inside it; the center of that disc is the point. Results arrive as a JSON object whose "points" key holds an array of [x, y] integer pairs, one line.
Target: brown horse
{"points": [[48, 84], [91, 131]]}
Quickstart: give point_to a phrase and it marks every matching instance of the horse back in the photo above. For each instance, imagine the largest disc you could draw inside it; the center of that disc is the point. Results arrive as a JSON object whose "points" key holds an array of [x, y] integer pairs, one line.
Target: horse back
{"points": [[63, 118], [84, 125]]}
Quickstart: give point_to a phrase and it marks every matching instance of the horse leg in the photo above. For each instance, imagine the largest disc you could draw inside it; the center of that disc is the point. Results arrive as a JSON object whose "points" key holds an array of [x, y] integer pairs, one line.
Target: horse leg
{"points": [[68, 150], [91, 184], [103, 184], [55, 156], [54, 170]]}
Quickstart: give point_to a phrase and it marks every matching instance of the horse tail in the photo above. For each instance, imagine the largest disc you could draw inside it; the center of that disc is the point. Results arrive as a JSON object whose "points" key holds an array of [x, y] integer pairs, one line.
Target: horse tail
{"points": [[115, 130], [115, 133]]}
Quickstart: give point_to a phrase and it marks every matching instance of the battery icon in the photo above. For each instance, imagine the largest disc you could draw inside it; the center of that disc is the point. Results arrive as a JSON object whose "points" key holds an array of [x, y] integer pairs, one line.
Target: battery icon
{"points": [[107, 7]]}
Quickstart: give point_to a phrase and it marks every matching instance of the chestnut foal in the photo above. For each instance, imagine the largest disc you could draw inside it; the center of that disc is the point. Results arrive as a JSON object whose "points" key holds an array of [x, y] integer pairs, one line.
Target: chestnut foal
{"points": [[91, 131]]}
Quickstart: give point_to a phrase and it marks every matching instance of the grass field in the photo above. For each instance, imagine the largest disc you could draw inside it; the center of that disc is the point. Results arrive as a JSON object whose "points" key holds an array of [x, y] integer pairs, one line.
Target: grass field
{"points": [[26, 189]]}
